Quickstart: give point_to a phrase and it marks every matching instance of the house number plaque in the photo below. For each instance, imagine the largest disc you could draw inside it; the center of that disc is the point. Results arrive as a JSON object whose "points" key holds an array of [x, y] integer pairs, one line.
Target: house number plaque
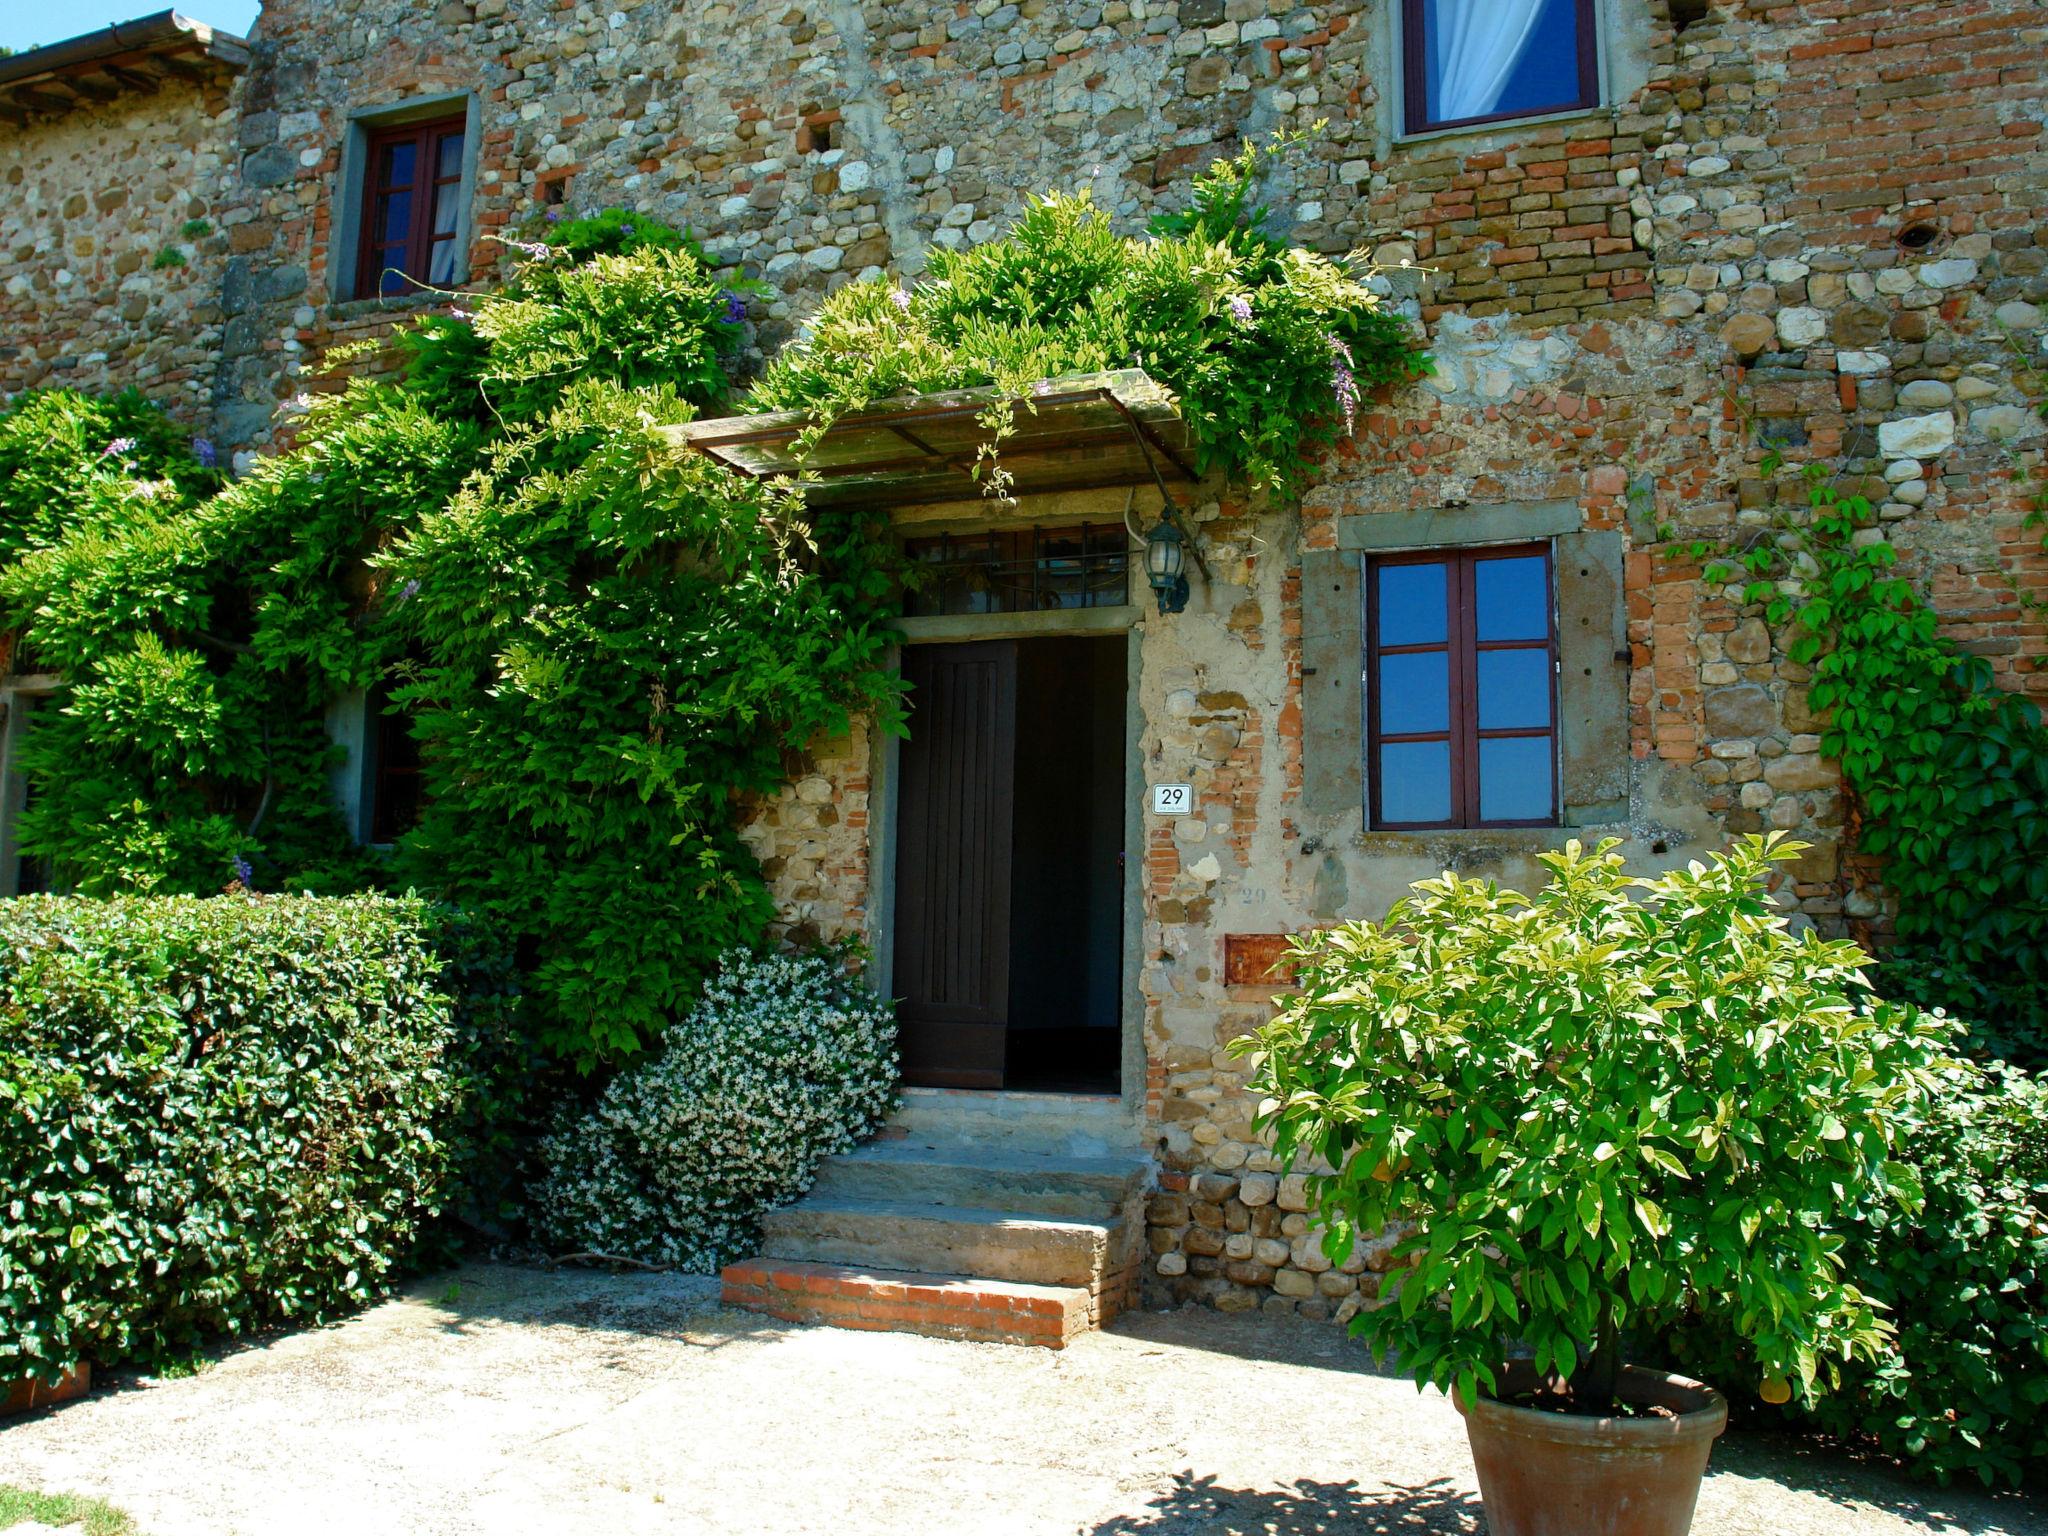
{"points": [[1173, 799]]}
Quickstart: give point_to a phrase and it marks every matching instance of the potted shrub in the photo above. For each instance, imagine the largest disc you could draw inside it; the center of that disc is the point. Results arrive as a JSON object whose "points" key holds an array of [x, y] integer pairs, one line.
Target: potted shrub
{"points": [[1598, 1113]]}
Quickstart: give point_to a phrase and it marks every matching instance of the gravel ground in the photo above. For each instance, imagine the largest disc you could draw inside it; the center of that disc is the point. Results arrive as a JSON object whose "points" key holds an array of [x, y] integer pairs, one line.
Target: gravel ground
{"points": [[510, 1401]]}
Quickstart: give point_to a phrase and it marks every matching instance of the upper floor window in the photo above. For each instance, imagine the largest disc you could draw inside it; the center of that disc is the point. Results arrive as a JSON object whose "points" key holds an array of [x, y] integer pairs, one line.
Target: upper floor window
{"points": [[1461, 688], [411, 208], [1480, 61]]}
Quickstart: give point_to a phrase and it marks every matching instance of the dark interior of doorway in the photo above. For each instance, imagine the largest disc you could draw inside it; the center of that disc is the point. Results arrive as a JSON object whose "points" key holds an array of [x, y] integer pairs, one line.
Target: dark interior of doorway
{"points": [[1010, 865], [1066, 867]]}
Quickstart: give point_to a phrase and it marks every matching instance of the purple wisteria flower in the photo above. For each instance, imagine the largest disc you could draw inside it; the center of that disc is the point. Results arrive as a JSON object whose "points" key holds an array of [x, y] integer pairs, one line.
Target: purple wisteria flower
{"points": [[735, 308], [625, 229], [204, 451], [536, 249], [119, 448], [1241, 309], [409, 591], [1342, 385], [554, 215], [244, 875], [900, 297], [459, 313]]}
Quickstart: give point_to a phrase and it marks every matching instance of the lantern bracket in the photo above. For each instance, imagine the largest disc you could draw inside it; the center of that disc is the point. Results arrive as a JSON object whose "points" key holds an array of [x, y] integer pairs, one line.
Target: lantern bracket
{"points": [[1169, 510]]}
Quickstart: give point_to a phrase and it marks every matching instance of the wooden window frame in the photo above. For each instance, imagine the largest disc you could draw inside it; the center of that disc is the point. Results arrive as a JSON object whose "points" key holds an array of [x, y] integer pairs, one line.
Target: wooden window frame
{"points": [[1415, 103], [426, 137], [1463, 645]]}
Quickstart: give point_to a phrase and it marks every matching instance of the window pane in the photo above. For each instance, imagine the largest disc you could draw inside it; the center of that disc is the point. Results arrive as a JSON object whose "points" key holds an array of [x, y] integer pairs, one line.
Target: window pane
{"points": [[1415, 781], [394, 217], [1415, 693], [1411, 605], [1515, 779], [441, 265], [1514, 690], [447, 203], [1511, 598], [396, 166], [1496, 56], [391, 276], [450, 151]]}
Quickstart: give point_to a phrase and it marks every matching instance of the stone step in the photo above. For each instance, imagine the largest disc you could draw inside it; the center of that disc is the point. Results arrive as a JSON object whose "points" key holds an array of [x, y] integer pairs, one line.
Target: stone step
{"points": [[915, 1171], [1018, 1246], [942, 1306], [1069, 1124]]}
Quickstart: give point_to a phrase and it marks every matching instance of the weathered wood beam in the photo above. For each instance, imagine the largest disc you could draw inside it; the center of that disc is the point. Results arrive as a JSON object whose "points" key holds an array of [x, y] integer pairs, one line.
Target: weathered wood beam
{"points": [[184, 68], [43, 101], [134, 80]]}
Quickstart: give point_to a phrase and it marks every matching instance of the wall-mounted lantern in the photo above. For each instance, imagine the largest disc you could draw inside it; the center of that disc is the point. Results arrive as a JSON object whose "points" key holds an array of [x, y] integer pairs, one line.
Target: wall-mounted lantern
{"points": [[1166, 564]]}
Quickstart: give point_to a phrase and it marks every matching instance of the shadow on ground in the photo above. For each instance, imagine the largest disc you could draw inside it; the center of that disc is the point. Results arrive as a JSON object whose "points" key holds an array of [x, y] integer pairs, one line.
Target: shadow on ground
{"points": [[1856, 1480], [1196, 1506]]}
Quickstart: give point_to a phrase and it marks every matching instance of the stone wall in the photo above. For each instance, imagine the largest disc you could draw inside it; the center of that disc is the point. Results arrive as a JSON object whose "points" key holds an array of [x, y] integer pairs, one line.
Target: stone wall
{"points": [[1803, 225], [816, 144], [1771, 171], [107, 277], [1812, 227]]}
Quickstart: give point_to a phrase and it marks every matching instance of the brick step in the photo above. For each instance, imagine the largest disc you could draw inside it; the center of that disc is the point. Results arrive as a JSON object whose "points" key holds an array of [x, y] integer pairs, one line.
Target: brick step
{"points": [[918, 1172], [1018, 1246], [898, 1301]]}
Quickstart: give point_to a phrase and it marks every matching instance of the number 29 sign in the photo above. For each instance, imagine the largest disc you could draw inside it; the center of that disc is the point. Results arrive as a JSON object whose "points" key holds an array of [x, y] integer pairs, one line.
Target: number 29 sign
{"points": [[1173, 799]]}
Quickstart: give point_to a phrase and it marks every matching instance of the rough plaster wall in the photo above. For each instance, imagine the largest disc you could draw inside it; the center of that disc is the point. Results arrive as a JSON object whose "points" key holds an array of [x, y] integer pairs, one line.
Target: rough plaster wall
{"points": [[87, 201]]}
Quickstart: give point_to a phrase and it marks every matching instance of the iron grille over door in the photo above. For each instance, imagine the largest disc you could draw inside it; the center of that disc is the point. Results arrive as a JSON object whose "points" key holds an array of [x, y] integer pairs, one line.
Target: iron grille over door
{"points": [[1020, 570]]}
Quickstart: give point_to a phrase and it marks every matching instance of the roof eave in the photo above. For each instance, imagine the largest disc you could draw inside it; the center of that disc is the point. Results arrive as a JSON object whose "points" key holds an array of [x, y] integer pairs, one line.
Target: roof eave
{"points": [[162, 33]]}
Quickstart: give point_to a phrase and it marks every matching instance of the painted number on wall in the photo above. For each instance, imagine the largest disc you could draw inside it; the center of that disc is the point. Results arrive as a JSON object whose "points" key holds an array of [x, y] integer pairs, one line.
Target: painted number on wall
{"points": [[1172, 799]]}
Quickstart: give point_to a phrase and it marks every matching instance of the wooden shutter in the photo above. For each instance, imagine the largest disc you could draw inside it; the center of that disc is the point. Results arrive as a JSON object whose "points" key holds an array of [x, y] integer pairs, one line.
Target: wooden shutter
{"points": [[1592, 685], [954, 817], [1332, 670]]}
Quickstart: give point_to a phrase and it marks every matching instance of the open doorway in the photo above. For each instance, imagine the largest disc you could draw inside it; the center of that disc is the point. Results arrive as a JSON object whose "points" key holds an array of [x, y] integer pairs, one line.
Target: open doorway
{"points": [[1010, 865]]}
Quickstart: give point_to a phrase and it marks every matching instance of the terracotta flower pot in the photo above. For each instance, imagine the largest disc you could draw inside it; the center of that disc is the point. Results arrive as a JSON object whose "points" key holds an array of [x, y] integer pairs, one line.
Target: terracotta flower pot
{"points": [[1560, 1474], [20, 1396]]}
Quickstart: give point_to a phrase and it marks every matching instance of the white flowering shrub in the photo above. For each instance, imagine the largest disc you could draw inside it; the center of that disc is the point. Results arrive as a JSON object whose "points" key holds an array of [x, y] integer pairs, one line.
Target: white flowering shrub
{"points": [[785, 1060]]}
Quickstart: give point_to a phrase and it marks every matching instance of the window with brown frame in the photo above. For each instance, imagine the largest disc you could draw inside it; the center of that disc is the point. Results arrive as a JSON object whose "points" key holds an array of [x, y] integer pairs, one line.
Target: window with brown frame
{"points": [[411, 208], [1461, 688], [1483, 61]]}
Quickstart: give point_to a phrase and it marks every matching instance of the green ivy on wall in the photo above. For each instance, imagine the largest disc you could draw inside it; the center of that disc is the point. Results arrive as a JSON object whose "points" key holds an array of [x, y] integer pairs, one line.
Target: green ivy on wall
{"points": [[1949, 771], [1269, 348]]}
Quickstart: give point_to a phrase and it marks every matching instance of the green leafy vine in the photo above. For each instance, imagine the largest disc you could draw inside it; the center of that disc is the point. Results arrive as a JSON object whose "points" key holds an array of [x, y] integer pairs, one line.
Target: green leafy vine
{"points": [[1948, 771]]}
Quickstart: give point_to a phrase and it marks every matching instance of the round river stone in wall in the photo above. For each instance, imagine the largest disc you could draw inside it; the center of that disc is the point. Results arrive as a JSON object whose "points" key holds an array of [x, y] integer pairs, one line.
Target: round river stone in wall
{"points": [[1747, 334]]}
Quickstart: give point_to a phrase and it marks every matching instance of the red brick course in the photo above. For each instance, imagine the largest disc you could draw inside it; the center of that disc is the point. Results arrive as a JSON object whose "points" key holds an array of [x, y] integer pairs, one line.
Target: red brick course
{"points": [[939, 1306]]}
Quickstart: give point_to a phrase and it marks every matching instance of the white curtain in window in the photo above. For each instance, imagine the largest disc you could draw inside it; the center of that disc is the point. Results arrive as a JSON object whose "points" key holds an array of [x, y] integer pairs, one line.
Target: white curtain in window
{"points": [[1478, 45]]}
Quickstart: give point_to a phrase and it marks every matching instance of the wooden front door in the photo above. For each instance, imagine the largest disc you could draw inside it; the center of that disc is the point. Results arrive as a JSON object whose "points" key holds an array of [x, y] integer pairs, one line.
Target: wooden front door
{"points": [[953, 856]]}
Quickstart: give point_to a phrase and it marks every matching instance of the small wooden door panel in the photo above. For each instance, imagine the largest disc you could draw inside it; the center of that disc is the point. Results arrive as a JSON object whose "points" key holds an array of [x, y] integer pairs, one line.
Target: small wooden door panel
{"points": [[954, 815]]}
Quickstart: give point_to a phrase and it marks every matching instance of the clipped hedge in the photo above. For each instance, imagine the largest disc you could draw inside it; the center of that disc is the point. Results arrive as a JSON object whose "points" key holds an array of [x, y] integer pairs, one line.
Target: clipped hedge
{"points": [[223, 1113]]}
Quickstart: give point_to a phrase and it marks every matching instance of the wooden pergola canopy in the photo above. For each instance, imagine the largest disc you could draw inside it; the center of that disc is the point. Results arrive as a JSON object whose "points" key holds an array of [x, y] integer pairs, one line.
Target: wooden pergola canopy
{"points": [[1081, 432], [129, 56]]}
